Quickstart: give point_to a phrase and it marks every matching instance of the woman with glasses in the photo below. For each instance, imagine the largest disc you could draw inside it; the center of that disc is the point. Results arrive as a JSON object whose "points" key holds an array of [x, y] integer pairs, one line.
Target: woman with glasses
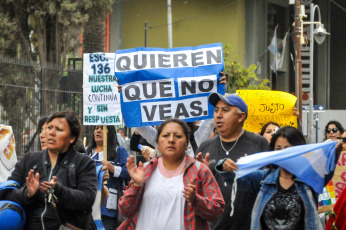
{"points": [[333, 130]]}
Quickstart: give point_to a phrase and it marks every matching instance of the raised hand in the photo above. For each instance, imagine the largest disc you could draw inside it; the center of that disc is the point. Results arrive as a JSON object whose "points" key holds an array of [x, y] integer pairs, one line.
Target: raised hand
{"points": [[136, 173], [223, 79], [32, 183], [190, 192], [46, 185], [205, 160], [120, 88]]}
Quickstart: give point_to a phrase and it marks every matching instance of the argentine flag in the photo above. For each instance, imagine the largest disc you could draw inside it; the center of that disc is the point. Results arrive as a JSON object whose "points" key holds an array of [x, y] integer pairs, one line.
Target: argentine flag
{"points": [[309, 163]]}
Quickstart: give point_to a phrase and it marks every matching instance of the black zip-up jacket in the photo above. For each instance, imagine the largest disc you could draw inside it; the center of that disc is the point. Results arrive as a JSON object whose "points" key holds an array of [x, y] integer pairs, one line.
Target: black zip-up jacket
{"points": [[75, 189]]}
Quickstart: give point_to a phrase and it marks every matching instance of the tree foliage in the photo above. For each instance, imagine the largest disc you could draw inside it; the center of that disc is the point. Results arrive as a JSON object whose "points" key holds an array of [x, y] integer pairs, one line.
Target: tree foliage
{"points": [[43, 33], [240, 77]]}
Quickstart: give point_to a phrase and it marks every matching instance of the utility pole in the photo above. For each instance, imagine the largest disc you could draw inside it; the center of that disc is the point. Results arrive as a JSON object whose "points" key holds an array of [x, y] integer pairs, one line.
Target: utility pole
{"points": [[169, 22], [145, 33], [298, 61]]}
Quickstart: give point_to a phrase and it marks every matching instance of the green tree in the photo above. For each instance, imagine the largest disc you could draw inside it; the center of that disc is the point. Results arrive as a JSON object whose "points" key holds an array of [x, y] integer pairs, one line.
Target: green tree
{"points": [[93, 37], [240, 77], [43, 32]]}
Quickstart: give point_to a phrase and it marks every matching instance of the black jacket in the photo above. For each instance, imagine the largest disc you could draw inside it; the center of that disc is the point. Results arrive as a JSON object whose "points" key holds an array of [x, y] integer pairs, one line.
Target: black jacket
{"points": [[76, 189]]}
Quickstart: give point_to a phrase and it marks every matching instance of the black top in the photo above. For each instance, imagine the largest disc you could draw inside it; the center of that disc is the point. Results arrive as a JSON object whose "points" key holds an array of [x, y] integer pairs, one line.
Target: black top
{"points": [[248, 143], [75, 189], [284, 211]]}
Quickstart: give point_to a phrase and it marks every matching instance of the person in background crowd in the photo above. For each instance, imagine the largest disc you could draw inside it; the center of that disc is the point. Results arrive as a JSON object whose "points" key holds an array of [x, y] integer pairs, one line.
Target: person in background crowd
{"points": [[283, 202], [343, 139], [333, 130], [173, 191], [126, 142], [269, 129], [115, 164], [58, 174], [213, 133], [41, 129], [231, 143], [137, 139]]}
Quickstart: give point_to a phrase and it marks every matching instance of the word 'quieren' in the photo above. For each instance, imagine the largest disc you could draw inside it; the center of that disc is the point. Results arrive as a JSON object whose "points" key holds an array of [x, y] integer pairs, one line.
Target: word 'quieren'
{"points": [[176, 59]]}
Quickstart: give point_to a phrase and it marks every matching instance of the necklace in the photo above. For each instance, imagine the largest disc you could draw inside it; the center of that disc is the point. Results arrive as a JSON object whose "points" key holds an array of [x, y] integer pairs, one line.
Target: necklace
{"points": [[227, 151]]}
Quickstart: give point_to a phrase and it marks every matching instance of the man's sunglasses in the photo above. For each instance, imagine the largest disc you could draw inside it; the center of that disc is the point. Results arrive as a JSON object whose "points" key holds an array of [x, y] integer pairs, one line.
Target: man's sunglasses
{"points": [[334, 130], [342, 138]]}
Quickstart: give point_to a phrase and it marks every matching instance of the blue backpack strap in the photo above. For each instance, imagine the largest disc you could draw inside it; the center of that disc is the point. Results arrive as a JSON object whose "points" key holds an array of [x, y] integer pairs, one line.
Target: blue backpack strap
{"points": [[9, 184]]}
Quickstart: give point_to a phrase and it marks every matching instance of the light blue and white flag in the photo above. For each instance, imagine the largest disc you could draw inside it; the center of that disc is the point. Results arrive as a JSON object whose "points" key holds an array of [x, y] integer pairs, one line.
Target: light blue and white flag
{"points": [[162, 83], [309, 163], [273, 48]]}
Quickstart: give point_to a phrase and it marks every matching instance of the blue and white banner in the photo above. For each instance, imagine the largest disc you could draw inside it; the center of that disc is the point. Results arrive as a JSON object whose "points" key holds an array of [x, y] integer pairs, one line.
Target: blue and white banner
{"points": [[309, 163], [162, 83]]}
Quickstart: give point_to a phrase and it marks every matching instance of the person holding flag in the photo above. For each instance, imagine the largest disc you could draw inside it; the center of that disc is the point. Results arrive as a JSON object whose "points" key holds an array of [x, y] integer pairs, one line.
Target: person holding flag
{"points": [[285, 189]]}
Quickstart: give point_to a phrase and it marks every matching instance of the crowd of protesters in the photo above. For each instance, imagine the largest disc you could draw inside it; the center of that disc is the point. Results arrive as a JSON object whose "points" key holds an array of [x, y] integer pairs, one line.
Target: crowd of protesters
{"points": [[188, 184]]}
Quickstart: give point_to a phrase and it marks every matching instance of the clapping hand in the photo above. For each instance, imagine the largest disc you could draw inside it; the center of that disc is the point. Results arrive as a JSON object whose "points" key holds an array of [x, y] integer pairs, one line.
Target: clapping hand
{"points": [[136, 173], [32, 183], [45, 185], [190, 192]]}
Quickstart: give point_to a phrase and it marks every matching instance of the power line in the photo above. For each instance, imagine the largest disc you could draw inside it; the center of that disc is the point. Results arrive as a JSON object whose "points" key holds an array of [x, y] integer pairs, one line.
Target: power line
{"points": [[338, 5]]}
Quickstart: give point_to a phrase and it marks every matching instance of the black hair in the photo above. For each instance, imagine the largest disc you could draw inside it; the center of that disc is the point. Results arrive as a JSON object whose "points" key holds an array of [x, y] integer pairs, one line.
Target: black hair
{"points": [[338, 126], [184, 126], [266, 125], [73, 123], [112, 144], [293, 136], [123, 130], [40, 124], [79, 146]]}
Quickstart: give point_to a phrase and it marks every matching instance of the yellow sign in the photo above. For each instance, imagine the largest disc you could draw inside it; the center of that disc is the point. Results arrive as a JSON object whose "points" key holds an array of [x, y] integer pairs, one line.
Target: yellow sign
{"points": [[265, 106]]}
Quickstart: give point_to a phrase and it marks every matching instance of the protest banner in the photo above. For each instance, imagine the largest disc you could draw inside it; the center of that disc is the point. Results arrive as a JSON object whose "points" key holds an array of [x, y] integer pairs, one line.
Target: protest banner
{"points": [[338, 183], [339, 178], [162, 83], [265, 106], [8, 156], [101, 101]]}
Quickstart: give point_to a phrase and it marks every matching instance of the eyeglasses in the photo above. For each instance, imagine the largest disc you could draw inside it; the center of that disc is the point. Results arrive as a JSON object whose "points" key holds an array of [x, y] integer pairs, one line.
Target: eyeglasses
{"points": [[334, 130], [342, 138]]}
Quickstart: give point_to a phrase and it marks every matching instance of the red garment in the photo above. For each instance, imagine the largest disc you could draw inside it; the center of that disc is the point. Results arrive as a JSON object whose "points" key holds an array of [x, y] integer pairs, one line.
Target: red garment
{"points": [[208, 206], [337, 219]]}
